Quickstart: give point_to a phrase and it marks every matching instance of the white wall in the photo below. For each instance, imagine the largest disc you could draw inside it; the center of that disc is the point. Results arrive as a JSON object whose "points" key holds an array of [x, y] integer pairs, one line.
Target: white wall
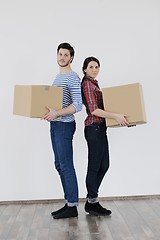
{"points": [[125, 36]]}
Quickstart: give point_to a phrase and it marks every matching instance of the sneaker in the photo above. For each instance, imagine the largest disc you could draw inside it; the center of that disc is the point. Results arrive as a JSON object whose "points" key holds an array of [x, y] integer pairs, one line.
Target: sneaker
{"points": [[96, 209], [67, 213], [59, 210]]}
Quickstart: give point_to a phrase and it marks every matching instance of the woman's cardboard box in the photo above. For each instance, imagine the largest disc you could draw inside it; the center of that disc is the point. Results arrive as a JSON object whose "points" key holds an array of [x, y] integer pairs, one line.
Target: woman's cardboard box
{"points": [[126, 99]]}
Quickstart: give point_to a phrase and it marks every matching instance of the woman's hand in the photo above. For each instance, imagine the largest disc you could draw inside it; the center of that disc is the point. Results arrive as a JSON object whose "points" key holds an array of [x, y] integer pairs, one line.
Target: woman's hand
{"points": [[51, 115], [121, 119]]}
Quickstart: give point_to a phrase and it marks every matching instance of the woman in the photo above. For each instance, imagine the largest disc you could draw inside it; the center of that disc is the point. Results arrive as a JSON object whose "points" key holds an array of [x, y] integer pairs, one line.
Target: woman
{"points": [[95, 135]]}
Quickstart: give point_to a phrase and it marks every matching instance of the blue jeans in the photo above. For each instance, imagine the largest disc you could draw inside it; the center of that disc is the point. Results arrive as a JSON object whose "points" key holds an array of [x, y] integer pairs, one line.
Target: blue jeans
{"points": [[98, 157], [61, 137]]}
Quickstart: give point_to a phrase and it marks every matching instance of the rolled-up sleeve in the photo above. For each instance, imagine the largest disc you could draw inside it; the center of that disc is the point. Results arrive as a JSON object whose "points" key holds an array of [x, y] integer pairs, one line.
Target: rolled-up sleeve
{"points": [[75, 91]]}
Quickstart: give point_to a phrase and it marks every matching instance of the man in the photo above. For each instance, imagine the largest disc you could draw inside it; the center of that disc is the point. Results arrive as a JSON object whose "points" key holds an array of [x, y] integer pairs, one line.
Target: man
{"points": [[62, 128]]}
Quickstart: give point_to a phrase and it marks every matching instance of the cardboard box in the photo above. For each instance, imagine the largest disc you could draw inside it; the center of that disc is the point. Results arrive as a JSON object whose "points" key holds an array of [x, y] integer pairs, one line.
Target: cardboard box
{"points": [[30, 101], [125, 99]]}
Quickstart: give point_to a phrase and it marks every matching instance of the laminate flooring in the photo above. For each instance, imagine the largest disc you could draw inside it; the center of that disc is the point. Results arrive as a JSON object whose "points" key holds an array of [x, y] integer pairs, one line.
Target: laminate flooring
{"points": [[130, 220]]}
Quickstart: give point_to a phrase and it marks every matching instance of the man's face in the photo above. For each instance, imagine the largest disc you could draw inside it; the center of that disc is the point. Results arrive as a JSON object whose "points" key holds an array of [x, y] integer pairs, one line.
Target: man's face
{"points": [[63, 57]]}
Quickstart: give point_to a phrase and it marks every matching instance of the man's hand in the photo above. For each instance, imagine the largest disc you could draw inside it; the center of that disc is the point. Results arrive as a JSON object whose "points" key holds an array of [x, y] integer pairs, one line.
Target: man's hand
{"points": [[51, 115]]}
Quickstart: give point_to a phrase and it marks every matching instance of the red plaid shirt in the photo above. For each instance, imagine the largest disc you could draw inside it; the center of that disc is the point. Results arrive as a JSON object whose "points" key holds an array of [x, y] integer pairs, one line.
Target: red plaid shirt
{"points": [[92, 99]]}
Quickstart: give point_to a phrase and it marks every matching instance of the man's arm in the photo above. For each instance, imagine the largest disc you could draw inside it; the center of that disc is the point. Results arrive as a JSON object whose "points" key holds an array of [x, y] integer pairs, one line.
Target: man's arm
{"points": [[52, 114], [76, 106]]}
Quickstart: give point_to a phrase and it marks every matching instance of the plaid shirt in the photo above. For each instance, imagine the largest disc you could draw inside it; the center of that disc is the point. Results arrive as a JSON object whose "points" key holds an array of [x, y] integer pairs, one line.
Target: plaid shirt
{"points": [[92, 99]]}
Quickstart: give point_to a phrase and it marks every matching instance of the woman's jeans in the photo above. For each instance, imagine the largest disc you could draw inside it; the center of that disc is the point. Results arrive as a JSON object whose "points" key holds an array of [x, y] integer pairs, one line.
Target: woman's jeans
{"points": [[98, 157], [61, 137]]}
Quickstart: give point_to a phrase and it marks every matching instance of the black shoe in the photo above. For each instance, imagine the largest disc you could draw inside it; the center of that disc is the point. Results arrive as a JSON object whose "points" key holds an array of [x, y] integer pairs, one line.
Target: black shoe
{"points": [[96, 209], [67, 213], [59, 211]]}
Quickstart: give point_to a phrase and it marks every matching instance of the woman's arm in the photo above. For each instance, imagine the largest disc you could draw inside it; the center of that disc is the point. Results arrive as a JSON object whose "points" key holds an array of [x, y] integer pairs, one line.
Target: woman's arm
{"points": [[120, 118]]}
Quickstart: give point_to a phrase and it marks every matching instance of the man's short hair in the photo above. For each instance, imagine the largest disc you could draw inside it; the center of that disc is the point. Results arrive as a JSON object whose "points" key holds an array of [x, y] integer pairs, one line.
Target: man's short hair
{"points": [[67, 46]]}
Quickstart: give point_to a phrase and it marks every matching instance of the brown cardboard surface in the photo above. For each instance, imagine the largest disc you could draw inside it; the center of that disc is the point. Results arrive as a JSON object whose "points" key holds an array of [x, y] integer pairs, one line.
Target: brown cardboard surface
{"points": [[125, 99], [30, 101]]}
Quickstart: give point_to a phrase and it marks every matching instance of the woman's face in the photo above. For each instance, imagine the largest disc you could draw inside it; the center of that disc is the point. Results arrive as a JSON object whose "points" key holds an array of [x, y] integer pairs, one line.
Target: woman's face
{"points": [[92, 69]]}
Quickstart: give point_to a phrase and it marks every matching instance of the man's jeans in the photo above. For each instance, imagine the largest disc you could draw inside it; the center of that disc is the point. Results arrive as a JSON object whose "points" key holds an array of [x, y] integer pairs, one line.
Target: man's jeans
{"points": [[98, 157], [61, 137]]}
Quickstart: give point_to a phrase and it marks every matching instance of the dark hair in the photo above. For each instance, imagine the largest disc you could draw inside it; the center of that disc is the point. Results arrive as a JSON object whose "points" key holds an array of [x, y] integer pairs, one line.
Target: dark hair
{"points": [[68, 47], [87, 61]]}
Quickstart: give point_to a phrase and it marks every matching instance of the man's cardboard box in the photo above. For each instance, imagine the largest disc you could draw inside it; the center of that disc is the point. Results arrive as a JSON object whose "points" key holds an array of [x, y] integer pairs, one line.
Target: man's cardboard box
{"points": [[125, 99], [31, 101]]}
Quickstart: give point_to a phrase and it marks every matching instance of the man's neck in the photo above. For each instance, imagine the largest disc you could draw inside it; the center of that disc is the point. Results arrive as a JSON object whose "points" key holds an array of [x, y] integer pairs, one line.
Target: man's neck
{"points": [[65, 69]]}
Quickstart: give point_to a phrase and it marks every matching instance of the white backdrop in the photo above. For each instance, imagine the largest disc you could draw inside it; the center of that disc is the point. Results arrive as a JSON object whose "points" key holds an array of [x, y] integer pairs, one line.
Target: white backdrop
{"points": [[125, 36]]}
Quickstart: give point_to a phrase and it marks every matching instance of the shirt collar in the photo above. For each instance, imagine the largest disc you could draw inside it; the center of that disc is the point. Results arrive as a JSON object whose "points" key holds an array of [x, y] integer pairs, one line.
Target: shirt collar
{"points": [[91, 79]]}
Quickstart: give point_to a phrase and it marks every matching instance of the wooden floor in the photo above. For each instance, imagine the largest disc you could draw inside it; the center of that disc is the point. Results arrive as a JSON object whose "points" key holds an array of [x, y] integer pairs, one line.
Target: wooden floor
{"points": [[130, 220]]}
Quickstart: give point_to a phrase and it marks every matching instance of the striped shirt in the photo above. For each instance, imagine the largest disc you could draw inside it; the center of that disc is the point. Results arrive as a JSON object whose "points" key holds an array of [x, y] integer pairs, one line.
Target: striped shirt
{"points": [[70, 82]]}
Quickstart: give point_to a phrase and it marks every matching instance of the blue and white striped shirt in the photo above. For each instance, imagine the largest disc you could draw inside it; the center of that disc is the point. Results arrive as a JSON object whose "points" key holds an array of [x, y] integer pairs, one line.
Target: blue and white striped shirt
{"points": [[70, 82]]}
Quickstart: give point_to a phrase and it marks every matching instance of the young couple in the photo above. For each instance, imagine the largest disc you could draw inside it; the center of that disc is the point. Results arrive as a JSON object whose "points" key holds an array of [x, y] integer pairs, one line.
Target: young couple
{"points": [[63, 126]]}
